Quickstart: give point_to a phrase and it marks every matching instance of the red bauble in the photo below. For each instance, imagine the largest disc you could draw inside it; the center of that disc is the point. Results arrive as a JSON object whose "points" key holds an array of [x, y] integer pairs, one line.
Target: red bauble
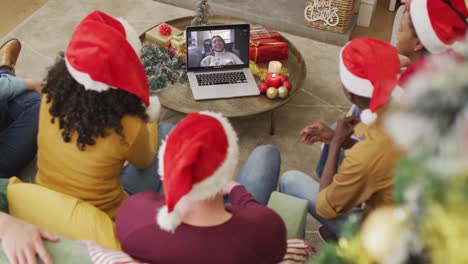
{"points": [[282, 78], [263, 87], [288, 85], [272, 80], [165, 30]]}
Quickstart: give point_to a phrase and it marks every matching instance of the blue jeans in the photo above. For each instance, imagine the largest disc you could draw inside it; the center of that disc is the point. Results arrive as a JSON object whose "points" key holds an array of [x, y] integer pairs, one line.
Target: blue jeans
{"points": [[135, 180], [260, 173], [301, 185], [18, 131]]}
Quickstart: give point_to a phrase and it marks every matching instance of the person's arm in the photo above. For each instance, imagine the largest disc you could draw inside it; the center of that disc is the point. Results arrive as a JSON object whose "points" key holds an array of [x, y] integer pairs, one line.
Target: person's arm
{"points": [[145, 145], [347, 189], [343, 132], [21, 241], [11, 86], [239, 196], [236, 59], [206, 61]]}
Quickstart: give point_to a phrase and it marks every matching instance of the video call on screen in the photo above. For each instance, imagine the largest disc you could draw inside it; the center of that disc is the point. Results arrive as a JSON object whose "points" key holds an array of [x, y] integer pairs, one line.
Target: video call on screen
{"points": [[217, 48]]}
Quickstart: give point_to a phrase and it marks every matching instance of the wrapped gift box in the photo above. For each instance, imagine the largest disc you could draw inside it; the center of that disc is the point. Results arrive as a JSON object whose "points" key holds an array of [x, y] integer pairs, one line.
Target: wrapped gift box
{"points": [[268, 49], [163, 41], [178, 43], [260, 33]]}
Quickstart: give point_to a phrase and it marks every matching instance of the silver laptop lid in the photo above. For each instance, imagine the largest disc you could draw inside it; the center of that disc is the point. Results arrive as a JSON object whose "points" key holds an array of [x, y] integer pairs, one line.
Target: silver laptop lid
{"points": [[218, 47]]}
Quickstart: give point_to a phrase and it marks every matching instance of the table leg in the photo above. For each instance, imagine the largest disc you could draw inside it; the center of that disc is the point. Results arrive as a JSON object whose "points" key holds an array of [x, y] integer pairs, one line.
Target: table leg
{"points": [[272, 123]]}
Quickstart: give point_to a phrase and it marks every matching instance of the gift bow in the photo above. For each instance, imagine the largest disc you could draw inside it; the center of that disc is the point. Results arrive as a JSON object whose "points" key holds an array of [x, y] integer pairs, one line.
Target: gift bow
{"points": [[257, 44]]}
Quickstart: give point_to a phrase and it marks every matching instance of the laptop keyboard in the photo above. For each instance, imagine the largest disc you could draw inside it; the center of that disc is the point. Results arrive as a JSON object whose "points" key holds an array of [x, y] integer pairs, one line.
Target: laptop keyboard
{"points": [[220, 78]]}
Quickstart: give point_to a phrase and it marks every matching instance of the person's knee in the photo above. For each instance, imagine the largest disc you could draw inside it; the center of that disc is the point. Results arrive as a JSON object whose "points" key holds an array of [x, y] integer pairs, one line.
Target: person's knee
{"points": [[165, 128], [268, 151], [289, 179]]}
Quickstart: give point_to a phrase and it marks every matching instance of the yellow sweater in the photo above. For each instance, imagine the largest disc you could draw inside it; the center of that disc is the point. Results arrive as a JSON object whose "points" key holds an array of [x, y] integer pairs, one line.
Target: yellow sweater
{"points": [[93, 175], [365, 176]]}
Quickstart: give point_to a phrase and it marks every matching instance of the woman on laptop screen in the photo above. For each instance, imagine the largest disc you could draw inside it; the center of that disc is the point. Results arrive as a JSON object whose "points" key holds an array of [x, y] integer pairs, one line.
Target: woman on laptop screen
{"points": [[218, 54]]}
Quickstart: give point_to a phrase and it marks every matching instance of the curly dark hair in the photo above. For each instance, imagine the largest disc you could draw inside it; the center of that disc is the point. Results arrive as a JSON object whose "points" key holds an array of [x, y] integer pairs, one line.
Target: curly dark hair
{"points": [[91, 114]]}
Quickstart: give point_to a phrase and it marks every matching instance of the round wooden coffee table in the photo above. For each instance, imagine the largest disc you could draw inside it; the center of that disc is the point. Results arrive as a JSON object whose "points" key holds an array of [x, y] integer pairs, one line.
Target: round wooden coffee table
{"points": [[179, 97]]}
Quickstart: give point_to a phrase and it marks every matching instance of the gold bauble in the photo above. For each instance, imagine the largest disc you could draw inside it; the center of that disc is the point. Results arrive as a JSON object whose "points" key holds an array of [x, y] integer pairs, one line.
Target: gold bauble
{"points": [[272, 93], [381, 231], [283, 92]]}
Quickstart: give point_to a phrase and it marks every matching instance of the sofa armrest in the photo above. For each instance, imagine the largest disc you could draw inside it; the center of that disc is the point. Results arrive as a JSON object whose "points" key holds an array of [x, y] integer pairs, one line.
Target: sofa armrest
{"points": [[292, 210], [64, 251]]}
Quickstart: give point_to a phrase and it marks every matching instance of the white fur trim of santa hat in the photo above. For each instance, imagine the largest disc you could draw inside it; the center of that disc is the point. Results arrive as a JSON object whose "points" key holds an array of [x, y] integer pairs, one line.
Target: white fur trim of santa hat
{"points": [[207, 188], [422, 24], [85, 80], [132, 36], [353, 83]]}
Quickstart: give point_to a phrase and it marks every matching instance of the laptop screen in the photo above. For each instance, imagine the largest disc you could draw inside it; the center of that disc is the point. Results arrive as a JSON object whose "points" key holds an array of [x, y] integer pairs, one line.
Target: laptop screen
{"points": [[218, 47]]}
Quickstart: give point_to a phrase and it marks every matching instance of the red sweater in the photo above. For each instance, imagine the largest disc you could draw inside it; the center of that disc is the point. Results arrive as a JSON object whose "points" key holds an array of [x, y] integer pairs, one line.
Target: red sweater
{"points": [[255, 234]]}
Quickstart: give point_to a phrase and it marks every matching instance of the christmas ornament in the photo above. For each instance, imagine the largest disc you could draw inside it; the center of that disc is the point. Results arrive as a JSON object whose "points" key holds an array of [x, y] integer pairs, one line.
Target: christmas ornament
{"points": [[287, 84], [165, 30], [263, 87], [382, 230], [272, 93], [272, 80], [283, 78], [261, 71], [283, 92]]}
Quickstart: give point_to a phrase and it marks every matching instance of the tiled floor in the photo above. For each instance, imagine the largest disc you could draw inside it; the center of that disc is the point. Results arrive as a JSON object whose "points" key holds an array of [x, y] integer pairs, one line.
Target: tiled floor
{"points": [[47, 31]]}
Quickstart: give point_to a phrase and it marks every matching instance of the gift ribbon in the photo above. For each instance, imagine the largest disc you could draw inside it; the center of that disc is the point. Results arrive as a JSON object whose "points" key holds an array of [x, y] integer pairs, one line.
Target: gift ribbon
{"points": [[259, 43]]}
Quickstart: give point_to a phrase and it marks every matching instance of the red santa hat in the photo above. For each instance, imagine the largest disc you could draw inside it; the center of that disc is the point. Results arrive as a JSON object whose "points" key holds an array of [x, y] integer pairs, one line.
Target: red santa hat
{"points": [[103, 54], [369, 67], [428, 65], [437, 24], [197, 159]]}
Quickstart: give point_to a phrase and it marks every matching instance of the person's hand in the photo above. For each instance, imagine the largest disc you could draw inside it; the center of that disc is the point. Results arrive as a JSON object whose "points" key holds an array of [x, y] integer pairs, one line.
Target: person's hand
{"points": [[316, 132], [344, 129], [34, 85], [22, 241], [228, 188], [404, 61]]}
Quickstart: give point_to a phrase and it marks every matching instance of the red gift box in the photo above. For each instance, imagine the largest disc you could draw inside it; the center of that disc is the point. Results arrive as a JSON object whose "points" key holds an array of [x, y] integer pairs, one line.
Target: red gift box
{"points": [[268, 49], [257, 34]]}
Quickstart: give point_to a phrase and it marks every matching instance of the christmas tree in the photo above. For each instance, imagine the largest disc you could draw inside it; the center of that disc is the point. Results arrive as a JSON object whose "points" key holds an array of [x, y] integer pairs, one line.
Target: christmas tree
{"points": [[201, 14], [428, 222], [162, 69]]}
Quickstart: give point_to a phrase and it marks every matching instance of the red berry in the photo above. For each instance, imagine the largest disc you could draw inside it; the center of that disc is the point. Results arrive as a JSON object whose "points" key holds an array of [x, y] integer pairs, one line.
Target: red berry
{"points": [[288, 85], [263, 87]]}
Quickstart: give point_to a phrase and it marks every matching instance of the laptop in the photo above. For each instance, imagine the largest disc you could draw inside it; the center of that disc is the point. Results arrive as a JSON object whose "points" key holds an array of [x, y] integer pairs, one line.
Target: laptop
{"points": [[218, 61]]}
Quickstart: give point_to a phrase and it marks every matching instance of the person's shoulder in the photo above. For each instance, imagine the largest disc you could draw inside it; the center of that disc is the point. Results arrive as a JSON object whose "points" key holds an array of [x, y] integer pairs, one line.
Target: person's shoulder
{"points": [[258, 216]]}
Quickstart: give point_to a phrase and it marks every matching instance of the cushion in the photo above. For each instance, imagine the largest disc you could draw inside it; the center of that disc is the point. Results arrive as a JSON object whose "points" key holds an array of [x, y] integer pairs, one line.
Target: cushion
{"points": [[60, 213], [64, 251], [292, 210]]}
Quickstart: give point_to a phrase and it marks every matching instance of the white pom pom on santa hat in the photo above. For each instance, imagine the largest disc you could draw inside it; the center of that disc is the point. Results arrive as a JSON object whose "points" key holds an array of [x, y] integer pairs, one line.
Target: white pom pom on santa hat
{"points": [[153, 109], [168, 221], [368, 117]]}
